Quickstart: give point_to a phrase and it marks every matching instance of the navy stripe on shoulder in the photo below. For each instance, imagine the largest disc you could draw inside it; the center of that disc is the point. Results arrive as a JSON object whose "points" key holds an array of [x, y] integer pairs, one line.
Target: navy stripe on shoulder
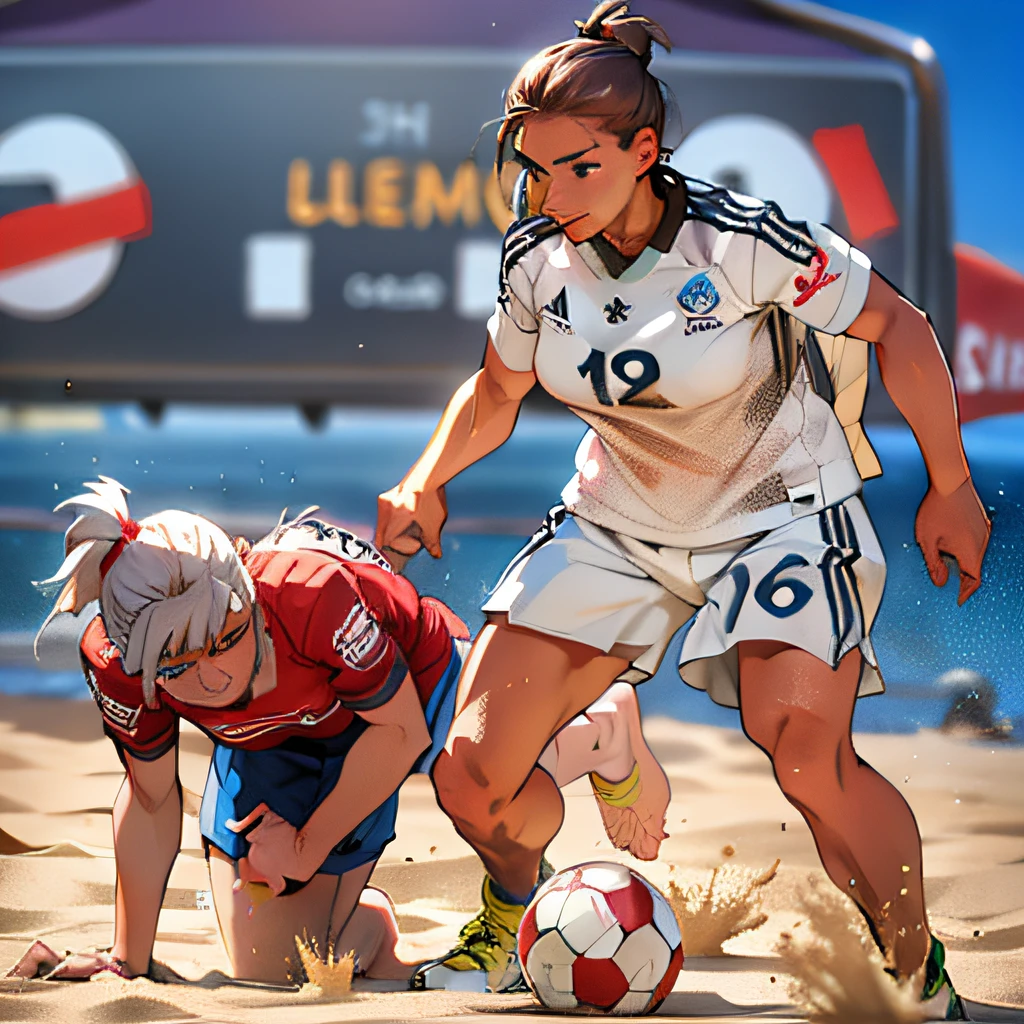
{"points": [[762, 218], [523, 236], [390, 686]]}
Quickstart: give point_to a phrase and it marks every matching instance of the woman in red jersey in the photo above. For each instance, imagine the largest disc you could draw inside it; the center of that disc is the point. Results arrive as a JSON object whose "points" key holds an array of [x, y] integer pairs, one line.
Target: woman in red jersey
{"points": [[323, 680]]}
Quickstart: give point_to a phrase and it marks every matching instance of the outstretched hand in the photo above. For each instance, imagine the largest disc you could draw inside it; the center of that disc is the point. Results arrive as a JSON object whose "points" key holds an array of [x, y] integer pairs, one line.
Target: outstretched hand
{"points": [[408, 520], [276, 851], [954, 525]]}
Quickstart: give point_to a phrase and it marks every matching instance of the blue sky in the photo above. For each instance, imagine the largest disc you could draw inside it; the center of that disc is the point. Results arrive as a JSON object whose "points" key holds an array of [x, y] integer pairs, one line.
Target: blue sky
{"points": [[979, 45]]}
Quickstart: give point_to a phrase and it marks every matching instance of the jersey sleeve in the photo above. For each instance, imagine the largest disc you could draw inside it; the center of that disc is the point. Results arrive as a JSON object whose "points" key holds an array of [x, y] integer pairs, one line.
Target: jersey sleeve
{"points": [[349, 634], [514, 327], [827, 294], [421, 626], [145, 733]]}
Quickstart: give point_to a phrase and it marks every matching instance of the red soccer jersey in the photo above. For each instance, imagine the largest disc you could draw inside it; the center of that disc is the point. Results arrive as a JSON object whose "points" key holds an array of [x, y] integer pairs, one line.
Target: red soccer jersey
{"points": [[337, 629]]}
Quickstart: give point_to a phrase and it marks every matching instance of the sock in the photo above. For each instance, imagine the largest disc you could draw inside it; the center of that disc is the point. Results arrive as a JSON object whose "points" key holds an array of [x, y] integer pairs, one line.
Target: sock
{"points": [[501, 893]]}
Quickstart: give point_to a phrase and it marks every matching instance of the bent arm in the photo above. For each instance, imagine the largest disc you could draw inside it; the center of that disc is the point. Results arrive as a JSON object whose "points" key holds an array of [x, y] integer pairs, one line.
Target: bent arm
{"points": [[915, 374], [950, 519], [147, 837], [377, 764], [478, 419]]}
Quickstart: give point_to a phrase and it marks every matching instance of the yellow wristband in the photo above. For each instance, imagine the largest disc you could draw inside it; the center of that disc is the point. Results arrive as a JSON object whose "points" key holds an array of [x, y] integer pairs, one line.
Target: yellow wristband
{"points": [[618, 794]]}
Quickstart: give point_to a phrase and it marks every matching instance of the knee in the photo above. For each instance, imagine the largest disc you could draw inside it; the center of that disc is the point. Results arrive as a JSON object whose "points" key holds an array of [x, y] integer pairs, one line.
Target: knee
{"points": [[465, 792]]}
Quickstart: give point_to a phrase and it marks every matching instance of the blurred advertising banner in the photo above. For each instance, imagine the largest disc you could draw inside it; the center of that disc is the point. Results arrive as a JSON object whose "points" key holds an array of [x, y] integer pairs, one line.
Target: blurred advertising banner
{"points": [[989, 362], [303, 225]]}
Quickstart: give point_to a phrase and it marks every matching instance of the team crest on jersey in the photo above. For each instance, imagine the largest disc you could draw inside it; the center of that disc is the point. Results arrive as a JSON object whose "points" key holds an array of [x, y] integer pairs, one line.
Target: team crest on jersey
{"points": [[360, 641], [556, 313], [617, 311], [698, 297]]}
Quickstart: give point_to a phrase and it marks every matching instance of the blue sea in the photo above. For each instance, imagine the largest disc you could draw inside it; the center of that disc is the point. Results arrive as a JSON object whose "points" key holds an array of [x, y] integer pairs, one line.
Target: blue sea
{"points": [[247, 465]]}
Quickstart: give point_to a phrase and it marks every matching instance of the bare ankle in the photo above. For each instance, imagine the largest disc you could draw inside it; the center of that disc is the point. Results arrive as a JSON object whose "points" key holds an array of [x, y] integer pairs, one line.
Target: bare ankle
{"points": [[614, 753]]}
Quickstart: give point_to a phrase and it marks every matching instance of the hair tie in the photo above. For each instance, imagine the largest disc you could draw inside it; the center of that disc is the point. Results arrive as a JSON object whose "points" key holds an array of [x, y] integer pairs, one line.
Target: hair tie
{"points": [[612, 22], [129, 531]]}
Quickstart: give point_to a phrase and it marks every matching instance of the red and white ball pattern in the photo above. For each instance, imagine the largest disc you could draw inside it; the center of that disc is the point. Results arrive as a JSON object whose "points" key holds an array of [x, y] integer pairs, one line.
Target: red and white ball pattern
{"points": [[599, 936]]}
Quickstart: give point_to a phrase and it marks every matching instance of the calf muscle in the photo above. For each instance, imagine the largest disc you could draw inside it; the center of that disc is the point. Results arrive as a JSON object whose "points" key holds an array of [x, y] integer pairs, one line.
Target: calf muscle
{"points": [[799, 711], [519, 688]]}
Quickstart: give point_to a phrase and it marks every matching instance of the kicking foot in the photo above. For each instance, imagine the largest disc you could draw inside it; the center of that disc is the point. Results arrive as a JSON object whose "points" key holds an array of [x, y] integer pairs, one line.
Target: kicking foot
{"points": [[938, 997], [633, 807]]}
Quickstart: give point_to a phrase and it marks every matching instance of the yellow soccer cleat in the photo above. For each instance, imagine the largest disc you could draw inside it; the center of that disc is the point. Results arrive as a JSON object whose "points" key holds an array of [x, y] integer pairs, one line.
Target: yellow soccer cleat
{"points": [[485, 955]]}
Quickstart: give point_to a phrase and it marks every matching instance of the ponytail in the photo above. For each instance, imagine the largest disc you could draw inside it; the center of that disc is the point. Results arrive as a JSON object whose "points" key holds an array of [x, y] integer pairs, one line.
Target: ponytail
{"points": [[101, 524], [165, 585]]}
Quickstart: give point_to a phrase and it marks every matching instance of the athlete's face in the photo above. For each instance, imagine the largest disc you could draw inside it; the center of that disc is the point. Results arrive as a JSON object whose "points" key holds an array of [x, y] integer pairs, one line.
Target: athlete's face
{"points": [[581, 173], [220, 674]]}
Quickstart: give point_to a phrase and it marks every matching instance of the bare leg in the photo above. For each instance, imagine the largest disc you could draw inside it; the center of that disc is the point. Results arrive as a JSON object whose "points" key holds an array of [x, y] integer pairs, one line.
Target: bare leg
{"points": [[518, 689], [372, 933], [608, 739], [799, 711], [260, 940]]}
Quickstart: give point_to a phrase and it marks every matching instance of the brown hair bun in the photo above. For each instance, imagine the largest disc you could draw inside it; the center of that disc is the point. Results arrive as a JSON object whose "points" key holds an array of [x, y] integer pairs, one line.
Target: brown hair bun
{"points": [[612, 21]]}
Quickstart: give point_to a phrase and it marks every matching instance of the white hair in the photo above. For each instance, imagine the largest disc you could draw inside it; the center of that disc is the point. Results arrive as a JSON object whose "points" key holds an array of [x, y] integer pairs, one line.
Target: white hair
{"points": [[167, 592]]}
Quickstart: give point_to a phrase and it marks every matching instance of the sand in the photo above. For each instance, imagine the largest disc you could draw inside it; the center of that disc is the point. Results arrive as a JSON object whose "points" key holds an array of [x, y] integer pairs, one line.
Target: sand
{"points": [[59, 776]]}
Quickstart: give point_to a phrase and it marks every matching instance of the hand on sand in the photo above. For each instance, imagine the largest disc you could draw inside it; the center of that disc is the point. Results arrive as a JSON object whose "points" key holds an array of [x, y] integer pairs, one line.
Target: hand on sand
{"points": [[275, 851], [40, 961]]}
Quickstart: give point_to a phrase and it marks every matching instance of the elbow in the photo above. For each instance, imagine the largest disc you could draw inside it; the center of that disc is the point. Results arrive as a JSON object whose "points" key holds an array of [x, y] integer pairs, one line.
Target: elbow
{"points": [[411, 740], [418, 739], [905, 323]]}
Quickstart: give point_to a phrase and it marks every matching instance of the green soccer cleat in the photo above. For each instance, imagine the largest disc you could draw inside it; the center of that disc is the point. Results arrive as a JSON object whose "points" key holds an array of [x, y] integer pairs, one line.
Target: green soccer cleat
{"points": [[938, 997]]}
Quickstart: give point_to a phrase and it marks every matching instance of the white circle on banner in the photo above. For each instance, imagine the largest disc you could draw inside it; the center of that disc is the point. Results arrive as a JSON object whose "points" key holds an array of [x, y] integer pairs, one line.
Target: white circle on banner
{"points": [[76, 159], [760, 157]]}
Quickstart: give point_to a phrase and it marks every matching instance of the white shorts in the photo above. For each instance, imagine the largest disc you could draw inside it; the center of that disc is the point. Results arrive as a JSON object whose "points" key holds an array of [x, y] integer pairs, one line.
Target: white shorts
{"points": [[814, 583]]}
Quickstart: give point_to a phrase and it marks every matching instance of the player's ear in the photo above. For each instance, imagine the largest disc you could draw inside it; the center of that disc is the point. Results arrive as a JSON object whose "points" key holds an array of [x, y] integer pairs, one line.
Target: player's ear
{"points": [[645, 150]]}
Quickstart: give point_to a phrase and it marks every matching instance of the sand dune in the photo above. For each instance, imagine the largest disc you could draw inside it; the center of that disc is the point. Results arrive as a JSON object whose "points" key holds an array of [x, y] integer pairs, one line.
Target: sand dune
{"points": [[59, 776]]}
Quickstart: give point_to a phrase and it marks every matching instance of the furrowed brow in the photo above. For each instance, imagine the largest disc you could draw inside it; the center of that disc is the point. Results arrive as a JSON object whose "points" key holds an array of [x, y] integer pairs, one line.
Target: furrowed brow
{"points": [[530, 163], [573, 156]]}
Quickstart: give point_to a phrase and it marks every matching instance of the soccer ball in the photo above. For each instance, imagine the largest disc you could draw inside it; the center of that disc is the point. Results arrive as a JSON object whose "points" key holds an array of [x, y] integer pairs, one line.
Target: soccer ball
{"points": [[599, 936]]}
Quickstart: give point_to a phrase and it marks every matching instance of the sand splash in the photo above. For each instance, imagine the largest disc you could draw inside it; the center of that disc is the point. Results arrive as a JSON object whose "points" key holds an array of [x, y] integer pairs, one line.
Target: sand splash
{"points": [[327, 977], [726, 905], [837, 974]]}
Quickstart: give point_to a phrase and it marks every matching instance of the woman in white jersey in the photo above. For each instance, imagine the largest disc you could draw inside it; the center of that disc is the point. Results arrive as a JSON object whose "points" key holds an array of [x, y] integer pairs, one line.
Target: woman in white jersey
{"points": [[715, 490]]}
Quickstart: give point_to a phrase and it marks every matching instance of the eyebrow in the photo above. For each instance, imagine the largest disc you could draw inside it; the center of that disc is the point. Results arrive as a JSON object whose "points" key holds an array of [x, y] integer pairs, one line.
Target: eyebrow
{"points": [[573, 156]]}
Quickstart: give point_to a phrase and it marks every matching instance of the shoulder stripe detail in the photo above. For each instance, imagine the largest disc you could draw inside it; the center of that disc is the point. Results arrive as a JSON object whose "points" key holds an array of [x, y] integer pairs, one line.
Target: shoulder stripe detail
{"points": [[390, 686], [762, 218], [521, 237]]}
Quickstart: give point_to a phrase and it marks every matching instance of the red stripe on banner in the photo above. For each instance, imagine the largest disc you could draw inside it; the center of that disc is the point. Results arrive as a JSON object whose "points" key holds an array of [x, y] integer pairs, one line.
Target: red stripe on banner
{"points": [[988, 362], [866, 203], [41, 232]]}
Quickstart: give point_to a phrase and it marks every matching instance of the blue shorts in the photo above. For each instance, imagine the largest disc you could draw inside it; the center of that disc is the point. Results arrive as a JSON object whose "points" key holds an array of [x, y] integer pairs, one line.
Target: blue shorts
{"points": [[293, 779]]}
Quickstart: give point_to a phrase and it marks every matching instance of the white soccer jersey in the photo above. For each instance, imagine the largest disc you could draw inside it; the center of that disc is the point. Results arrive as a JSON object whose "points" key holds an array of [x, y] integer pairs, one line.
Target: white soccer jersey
{"points": [[704, 426]]}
